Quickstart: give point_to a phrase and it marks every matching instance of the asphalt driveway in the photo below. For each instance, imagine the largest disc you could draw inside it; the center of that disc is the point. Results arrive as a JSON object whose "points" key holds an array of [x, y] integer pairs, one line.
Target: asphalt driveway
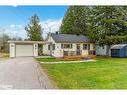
{"points": [[23, 73]]}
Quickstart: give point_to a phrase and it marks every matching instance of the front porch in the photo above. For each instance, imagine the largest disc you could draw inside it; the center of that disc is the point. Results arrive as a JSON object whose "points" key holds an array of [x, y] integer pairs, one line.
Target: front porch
{"points": [[78, 55]]}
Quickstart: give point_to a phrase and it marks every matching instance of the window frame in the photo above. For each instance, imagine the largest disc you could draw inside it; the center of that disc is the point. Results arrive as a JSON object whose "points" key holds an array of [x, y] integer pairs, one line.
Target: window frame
{"points": [[66, 46], [86, 46]]}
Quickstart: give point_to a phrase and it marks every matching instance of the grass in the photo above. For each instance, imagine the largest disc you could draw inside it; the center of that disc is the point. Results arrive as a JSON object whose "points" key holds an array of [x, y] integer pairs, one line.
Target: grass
{"points": [[4, 55], [50, 59], [105, 73]]}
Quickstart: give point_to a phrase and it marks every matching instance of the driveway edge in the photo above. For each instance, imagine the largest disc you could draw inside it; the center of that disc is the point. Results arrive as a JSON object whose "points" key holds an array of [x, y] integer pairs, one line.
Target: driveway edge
{"points": [[44, 79]]}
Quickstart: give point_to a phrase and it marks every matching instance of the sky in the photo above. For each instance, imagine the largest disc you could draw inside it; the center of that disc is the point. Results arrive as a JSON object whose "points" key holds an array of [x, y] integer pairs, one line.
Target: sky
{"points": [[13, 19]]}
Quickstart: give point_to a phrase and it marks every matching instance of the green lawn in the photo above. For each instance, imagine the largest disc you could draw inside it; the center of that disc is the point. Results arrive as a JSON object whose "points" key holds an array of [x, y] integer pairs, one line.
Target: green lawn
{"points": [[105, 73], [50, 59]]}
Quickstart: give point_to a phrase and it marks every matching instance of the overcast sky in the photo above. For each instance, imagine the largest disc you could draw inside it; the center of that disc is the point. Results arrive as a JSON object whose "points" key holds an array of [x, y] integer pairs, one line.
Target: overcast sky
{"points": [[14, 19]]}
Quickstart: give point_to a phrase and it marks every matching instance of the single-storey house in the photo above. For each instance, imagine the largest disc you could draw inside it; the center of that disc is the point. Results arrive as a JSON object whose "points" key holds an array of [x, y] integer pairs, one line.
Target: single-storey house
{"points": [[68, 45], [57, 45]]}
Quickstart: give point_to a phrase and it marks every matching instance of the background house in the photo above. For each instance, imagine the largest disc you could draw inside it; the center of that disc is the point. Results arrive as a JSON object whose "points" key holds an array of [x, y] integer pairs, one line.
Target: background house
{"points": [[103, 50], [68, 45]]}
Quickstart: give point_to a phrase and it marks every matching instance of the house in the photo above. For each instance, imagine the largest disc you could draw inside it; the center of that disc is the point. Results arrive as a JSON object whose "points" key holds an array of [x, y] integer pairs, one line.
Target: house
{"points": [[119, 50], [57, 45], [116, 50], [103, 50], [68, 45]]}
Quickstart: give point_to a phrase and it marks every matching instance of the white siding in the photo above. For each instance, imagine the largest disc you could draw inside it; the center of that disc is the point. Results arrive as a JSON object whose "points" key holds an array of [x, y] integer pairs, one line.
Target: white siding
{"points": [[35, 49], [101, 50], [17, 50], [58, 52], [45, 46], [12, 50]]}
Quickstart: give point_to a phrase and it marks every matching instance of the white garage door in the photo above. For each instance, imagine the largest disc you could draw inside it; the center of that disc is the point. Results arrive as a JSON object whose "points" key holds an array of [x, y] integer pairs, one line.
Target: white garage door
{"points": [[24, 50]]}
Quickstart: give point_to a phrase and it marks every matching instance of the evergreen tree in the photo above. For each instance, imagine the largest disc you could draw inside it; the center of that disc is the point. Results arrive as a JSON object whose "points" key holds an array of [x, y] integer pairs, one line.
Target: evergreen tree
{"points": [[74, 21], [107, 22], [34, 30]]}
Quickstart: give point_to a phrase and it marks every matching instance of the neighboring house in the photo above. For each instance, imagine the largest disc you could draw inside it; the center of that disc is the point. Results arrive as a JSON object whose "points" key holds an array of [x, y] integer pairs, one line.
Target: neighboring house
{"points": [[68, 45], [116, 50], [103, 50], [119, 50]]}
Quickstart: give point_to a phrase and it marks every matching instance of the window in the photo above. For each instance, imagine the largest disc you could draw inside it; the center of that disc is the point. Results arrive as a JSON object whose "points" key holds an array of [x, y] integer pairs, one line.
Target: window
{"points": [[86, 46], [53, 47], [48, 47], [66, 46]]}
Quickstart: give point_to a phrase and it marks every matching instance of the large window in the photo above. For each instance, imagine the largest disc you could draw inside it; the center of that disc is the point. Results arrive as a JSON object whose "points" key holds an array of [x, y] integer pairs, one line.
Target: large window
{"points": [[64, 46], [86, 46]]}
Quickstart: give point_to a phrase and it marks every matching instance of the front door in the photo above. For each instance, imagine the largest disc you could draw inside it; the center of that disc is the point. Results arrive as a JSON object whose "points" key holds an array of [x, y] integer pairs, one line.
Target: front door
{"points": [[78, 52]]}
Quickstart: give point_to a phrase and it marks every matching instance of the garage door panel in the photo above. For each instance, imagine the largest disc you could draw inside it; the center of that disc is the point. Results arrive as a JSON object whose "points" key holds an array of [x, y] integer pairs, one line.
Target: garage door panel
{"points": [[24, 50]]}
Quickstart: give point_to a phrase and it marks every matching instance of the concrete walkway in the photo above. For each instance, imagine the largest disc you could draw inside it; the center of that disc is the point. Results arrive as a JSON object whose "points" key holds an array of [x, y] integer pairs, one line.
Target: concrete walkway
{"points": [[23, 73], [90, 60]]}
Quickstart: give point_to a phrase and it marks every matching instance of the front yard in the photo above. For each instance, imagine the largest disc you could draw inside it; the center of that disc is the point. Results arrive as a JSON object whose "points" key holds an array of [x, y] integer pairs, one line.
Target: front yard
{"points": [[105, 73]]}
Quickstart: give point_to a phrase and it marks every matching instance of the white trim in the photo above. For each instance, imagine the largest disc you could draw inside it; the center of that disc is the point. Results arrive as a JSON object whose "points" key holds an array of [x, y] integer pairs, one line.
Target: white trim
{"points": [[39, 42]]}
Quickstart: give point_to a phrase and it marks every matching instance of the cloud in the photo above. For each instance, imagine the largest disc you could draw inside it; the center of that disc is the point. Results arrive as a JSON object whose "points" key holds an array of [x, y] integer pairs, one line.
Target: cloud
{"points": [[16, 31], [50, 25], [16, 26], [12, 26]]}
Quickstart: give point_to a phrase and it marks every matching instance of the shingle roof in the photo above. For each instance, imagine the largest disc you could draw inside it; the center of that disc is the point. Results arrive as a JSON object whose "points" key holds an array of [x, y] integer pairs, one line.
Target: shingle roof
{"points": [[118, 46], [69, 38]]}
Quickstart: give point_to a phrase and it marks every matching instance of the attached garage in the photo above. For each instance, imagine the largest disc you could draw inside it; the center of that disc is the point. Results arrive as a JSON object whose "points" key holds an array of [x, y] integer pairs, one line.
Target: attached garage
{"points": [[24, 48]]}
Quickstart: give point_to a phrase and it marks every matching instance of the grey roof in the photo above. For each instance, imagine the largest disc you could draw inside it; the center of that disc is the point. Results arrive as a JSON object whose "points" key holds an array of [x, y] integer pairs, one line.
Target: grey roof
{"points": [[118, 46], [69, 38]]}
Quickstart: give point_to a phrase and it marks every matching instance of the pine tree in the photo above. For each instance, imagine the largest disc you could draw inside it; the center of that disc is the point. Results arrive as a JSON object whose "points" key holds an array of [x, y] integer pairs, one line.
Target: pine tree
{"points": [[74, 21], [107, 22], [34, 30]]}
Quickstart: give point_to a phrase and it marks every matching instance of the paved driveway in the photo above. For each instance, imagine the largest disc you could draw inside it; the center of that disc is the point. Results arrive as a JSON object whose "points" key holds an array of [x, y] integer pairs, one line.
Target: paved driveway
{"points": [[22, 73]]}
